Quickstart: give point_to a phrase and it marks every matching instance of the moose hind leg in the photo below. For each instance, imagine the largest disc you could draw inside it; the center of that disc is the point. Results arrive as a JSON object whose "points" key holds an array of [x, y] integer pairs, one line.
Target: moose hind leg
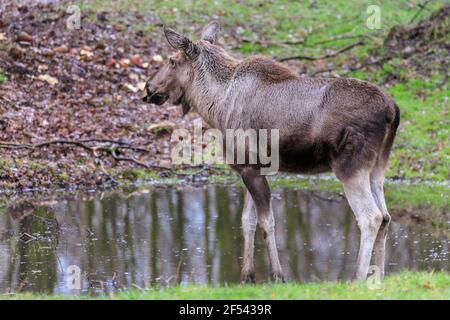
{"points": [[249, 221], [259, 189], [368, 215], [379, 251]]}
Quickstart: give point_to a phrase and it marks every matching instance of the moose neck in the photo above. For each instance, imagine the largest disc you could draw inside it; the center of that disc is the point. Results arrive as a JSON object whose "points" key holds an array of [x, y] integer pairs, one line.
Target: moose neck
{"points": [[212, 73]]}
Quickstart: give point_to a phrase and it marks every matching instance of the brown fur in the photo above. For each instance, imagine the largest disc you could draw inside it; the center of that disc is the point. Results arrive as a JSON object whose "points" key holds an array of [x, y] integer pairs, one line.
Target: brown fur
{"points": [[266, 69], [325, 124], [344, 125]]}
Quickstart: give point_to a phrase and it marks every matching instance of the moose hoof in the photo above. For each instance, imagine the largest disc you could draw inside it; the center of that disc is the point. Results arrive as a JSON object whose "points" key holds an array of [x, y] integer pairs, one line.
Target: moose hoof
{"points": [[248, 277]]}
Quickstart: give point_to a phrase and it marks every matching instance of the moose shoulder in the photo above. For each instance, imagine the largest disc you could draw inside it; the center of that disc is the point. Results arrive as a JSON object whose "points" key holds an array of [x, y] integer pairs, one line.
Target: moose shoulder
{"points": [[342, 125]]}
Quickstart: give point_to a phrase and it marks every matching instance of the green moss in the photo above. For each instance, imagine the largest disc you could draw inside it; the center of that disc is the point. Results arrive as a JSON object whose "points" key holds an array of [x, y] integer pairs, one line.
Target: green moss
{"points": [[4, 164], [64, 176], [3, 78]]}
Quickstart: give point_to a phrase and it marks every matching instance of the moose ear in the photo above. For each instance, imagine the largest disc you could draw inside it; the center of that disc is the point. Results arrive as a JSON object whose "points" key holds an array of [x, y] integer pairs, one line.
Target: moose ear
{"points": [[176, 40], [211, 32], [180, 42]]}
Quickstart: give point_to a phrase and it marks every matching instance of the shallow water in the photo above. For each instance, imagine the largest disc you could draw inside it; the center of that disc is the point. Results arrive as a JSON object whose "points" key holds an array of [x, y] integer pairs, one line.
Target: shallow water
{"points": [[189, 235]]}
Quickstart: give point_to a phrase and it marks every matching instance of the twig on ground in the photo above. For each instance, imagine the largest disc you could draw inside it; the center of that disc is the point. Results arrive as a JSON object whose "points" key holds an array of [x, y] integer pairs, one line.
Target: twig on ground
{"points": [[123, 144], [112, 150], [113, 153], [340, 38], [329, 55], [422, 7], [265, 42], [93, 150]]}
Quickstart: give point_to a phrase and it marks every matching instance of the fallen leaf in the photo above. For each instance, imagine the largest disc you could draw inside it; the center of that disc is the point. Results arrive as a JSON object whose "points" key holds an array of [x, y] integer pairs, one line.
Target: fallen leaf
{"points": [[88, 48], [47, 52], [16, 53], [85, 53], [157, 58], [25, 37], [111, 62], [42, 68], [49, 79], [131, 88], [136, 60], [141, 86], [3, 37], [134, 76], [119, 27], [61, 49], [100, 46], [124, 63]]}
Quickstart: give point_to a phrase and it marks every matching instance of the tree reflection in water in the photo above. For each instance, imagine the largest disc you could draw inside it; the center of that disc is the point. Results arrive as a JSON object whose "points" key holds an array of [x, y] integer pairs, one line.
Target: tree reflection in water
{"points": [[168, 236]]}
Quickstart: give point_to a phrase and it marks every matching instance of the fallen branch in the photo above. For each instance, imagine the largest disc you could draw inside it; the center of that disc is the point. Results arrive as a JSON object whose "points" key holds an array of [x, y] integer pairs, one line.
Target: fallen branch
{"points": [[340, 38], [93, 150], [79, 143], [114, 155], [110, 150], [122, 144], [10, 145], [315, 73], [329, 55], [264, 42], [104, 171], [422, 6]]}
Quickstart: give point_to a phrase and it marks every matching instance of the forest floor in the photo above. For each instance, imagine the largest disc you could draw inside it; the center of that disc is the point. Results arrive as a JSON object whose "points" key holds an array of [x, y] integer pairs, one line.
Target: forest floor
{"points": [[71, 114]]}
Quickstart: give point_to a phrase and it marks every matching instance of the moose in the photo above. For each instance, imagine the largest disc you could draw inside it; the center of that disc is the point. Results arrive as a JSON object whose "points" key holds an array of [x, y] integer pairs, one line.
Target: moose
{"points": [[343, 125]]}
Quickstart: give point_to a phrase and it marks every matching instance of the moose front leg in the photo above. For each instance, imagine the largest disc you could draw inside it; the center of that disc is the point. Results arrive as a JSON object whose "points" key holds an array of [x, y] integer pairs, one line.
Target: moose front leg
{"points": [[249, 221], [260, 191]]}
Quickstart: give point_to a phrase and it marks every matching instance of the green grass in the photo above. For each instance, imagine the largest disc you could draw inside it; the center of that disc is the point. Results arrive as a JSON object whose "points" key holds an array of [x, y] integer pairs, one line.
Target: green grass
{"points": [[421, 148], [405, 285], [276, 20], [3, 78], [398, 195]]}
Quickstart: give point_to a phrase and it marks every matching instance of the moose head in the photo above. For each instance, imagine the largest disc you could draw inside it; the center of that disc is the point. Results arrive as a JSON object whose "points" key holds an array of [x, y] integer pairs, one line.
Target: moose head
{"points": [[171, 81]]}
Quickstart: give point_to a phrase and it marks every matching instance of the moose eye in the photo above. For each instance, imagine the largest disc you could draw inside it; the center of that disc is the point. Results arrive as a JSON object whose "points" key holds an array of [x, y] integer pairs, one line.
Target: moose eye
{"points": [[172, 62]]}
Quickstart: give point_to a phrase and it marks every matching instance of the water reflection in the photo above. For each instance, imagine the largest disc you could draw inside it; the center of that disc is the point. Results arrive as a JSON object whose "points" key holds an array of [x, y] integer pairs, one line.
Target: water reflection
{"points": [[167, 236]]}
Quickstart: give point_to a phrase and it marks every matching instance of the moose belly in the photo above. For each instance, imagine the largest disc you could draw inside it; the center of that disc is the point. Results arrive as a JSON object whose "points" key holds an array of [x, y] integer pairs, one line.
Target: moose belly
{"points": [[304, 159]]}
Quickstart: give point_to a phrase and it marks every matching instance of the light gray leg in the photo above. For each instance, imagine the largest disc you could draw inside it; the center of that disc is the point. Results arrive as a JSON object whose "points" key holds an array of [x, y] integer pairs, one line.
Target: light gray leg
{"points": [[249, 221], [267, 222], [358, 192], [379, 251], [260, 191]]}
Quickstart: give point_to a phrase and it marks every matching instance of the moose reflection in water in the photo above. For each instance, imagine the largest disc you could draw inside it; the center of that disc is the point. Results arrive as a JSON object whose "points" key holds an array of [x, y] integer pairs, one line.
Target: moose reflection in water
{"points": [[169, 236]]}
